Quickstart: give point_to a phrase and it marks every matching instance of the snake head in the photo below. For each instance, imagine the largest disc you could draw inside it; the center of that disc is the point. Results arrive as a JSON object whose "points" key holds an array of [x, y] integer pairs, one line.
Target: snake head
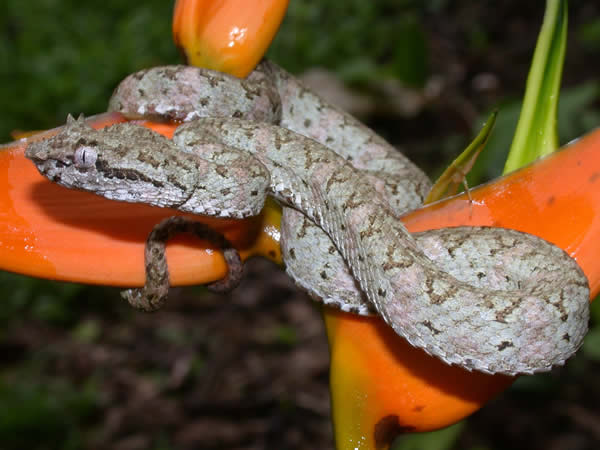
{"points": [[124, 162], [71, 148]]}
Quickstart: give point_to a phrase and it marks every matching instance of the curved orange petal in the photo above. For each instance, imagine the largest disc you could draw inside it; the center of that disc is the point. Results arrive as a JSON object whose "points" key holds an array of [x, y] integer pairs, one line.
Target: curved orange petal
{"points": [[387, 386], [52, 232], [229, 36], [556, 198]]}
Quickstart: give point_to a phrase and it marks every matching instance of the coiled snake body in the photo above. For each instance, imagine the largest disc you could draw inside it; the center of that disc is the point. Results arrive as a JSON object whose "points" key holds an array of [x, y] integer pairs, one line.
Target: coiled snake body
{"points": [[488, 299]]}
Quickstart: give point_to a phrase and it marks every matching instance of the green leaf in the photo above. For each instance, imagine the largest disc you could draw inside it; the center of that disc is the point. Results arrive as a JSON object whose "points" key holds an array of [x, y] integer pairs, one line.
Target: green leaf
{"points": [[448, 182], [591, 345], [536, 134]]}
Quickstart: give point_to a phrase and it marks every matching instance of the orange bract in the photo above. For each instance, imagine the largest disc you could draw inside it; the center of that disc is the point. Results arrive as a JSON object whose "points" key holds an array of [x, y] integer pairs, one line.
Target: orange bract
{"points": [[556, 198], [53, 232], [387, 386], [229, 36]]}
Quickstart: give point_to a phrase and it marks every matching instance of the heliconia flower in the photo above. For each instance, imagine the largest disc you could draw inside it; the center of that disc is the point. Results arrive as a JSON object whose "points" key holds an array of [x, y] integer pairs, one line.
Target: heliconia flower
{"points": [[379, 384], [229, 36], [555, 198]]}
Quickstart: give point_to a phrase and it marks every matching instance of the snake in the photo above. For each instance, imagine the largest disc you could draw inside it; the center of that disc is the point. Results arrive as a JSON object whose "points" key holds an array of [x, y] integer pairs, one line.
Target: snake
{"points": [[487, 299]]}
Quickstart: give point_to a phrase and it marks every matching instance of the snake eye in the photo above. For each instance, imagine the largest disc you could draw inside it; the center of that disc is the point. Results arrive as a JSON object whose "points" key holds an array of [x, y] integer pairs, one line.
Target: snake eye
{"points": [[85, 157]]}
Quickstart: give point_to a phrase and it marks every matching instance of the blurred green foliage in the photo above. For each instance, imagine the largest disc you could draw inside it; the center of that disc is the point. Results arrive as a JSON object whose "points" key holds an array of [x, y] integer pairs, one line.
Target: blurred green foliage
{"points": [[577, 114], [66, 56], [53, 303], [372, 39], [40, 410], [589, 34], [44, 415]]}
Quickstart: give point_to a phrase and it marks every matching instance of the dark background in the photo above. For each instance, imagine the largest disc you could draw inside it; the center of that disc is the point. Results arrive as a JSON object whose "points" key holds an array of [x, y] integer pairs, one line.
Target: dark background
{"points": [[79, 369]]}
